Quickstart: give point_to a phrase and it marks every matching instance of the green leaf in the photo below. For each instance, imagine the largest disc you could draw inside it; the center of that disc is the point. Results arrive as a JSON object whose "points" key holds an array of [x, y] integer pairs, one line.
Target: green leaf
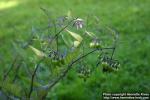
{"points": [[20, 51], [38, 52], [74, 54], [75, 35], [66, 40], [76, 43], [10, 88], [69, 14]]}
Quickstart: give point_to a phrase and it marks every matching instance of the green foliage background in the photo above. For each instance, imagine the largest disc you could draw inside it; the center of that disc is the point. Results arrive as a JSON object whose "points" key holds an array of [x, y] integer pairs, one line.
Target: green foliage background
{"points": [[130, 17]]}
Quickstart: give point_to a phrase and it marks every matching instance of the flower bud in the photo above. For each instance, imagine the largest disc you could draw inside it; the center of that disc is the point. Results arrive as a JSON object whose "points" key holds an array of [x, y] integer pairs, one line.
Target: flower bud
{"points": [[78, 23], [95, 44]]}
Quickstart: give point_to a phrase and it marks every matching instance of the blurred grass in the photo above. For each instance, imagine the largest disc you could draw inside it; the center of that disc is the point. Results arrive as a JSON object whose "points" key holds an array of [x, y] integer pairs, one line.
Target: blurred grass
{"points": [[130, 17]]}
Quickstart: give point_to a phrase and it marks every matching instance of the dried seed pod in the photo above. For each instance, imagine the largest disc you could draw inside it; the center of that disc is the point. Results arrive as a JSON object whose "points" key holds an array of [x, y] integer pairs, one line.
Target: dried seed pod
{"points": [[109, 64], [84, 72]]}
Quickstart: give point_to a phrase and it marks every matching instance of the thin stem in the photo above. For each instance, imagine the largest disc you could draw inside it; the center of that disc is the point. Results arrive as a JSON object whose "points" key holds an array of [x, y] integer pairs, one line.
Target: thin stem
{"points": [[57, 43], [11, 67], [113, 52], [116, 35], [29, 41], [63, 29], [87, 21], [55, 31], [33, 76], [16, 71], [83, 51], [50, 85], [68, 68]]}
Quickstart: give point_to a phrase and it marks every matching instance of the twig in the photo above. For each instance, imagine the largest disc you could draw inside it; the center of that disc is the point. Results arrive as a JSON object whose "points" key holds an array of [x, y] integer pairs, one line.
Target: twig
{"points": [[16, 71], [116, 34], [33, 76], [56, 35], [63, 29], [55, 30], [50, 85], [113, 52], [11, 67]]}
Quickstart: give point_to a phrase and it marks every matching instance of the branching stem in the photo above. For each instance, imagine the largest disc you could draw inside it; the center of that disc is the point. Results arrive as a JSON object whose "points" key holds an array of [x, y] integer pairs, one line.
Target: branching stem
{"points": [[33, 76], [63, 74]]}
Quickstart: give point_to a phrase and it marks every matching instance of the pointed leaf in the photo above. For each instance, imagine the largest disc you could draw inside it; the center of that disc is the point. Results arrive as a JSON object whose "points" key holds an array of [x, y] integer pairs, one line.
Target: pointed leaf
{"points": [[75, 35], [37, 52], [72, 55], [76, 43], [69, 15], [66, 40], [90, 34]]}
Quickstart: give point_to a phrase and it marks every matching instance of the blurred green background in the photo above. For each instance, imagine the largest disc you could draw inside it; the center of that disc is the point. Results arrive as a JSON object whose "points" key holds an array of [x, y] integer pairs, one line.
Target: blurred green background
{"points": [[130, 17]]}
